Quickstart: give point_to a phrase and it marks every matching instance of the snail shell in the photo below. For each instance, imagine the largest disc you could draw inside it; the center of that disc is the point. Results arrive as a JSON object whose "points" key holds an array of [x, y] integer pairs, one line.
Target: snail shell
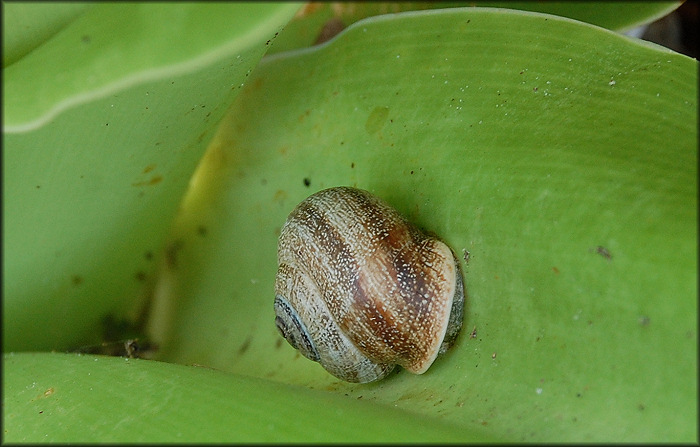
{"points": [[359, 289]]}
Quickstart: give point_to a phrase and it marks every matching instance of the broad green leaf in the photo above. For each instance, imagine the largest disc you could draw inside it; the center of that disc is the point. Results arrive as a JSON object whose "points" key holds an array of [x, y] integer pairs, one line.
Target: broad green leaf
{"points": [[26, 25], [561, 156], [317, 20], [103, 126], [114, 46], [616, 15], [69, 398]]}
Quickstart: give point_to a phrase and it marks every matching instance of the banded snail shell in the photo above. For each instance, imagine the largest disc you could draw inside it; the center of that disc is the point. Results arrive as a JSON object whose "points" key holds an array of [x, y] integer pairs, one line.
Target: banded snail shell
{"points": [[359, 289]]}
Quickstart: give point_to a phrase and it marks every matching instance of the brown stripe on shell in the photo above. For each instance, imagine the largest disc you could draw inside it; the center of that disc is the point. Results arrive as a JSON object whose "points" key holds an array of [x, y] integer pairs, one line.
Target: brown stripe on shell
{"points": [[408, 317], [389, 316], [323, 252]]}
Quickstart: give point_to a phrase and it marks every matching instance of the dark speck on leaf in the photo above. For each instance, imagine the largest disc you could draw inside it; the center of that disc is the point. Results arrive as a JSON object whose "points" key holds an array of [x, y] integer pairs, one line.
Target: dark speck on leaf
{"points": [[603, 252], [171, 252]]}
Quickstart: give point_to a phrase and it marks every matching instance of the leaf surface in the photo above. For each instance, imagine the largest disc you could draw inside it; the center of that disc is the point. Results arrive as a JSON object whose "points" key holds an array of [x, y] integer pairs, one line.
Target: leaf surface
{"points": [[131, 400], [99, 149], [317, 22], [561, 156]]}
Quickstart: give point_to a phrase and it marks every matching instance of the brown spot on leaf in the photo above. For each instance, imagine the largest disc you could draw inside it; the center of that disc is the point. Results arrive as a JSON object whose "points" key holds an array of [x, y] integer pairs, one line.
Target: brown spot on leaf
{"points": [[244, 347], [330, 29], [153, 181], [280, 197], [603, 252], [171, 252]]}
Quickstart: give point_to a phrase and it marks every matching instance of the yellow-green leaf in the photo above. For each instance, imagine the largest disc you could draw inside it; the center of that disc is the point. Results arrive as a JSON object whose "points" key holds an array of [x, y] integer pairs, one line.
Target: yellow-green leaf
{"points": [[103, 125], [69, 398], [561, 156]]}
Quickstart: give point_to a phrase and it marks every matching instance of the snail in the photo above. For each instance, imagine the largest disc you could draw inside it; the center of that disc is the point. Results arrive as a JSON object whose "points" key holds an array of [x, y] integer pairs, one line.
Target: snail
{"points": [[359, 289]]}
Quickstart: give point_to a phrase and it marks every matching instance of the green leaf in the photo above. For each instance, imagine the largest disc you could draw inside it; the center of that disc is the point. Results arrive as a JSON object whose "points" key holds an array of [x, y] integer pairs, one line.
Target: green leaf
{"points": [[561, 156], [317, 20], [128, 400], [25, 26], [618, 16], [104, 51], [103, 126]]}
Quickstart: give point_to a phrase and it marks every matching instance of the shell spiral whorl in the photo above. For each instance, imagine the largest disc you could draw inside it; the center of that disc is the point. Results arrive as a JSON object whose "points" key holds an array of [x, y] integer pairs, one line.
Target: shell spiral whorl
{"points": [[359, 289]]}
